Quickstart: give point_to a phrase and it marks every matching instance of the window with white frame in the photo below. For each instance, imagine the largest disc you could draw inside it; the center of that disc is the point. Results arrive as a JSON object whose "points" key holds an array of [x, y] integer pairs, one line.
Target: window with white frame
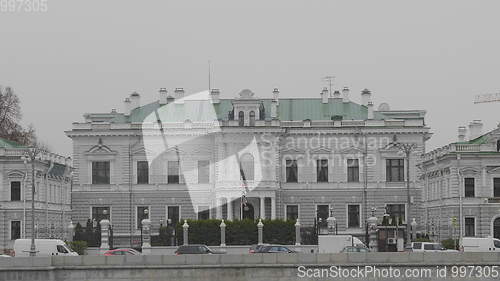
{"points": [[353, 170], [100, 172], [173, 172], [396, 212], [15, 230], [470, 226], [291, 171], [292, 212], [469, 187], [15, 191], [142, 172], [353, 216], [496, 187], [395, 171], [174, 214], [203, 171], [322, 170]]}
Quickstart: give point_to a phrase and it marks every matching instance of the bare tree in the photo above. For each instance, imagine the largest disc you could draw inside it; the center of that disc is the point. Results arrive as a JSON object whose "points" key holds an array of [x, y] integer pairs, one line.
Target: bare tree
{"points": [[10, 117]]}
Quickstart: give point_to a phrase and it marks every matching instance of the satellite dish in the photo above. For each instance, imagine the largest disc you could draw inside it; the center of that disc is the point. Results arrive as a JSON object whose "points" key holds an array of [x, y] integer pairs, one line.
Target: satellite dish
{"points": [[384, 107]]}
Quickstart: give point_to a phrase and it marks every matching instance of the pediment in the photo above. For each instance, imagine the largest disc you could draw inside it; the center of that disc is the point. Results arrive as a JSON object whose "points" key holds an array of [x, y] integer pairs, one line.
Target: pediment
{"points": [[321, 150], [351, 150], [16, 174], [494, 170], [469, 170], [100, 149]]}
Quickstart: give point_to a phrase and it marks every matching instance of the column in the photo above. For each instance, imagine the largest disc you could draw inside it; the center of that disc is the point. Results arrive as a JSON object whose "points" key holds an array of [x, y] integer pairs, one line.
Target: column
{"points": [[262, 208], [104, 235], [273, 208], [229, 208]]}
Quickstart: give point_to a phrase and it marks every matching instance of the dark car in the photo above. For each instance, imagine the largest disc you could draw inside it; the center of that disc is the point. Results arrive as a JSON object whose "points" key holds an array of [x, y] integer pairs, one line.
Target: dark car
{"points": [[275, 249], [355, 249], [196, 249], [122, 252], [255, 248]]}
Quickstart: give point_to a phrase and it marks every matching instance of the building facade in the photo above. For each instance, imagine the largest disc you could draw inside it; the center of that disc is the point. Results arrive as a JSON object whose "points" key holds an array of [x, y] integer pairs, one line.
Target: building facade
{"points": [[461, 185], [52, 194], [200, 156]]}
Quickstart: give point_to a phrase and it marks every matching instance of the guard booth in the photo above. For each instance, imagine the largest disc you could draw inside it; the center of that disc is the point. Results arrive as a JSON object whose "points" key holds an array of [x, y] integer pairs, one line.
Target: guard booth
{"points": [[391, 238]]}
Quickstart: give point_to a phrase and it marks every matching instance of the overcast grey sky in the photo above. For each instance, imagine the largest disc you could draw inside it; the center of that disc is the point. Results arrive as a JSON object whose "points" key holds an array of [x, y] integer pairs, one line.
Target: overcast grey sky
{"points": [[87, 56]]}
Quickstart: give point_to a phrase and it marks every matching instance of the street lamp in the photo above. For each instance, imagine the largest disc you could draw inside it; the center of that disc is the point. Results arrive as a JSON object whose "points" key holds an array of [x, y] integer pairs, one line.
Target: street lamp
{"points": [[407, 148], [31, 155]]}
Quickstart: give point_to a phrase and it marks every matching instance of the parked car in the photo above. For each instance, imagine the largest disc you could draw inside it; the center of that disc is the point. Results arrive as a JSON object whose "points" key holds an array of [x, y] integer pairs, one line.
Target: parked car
{"points": [[43, 247], [196, 249], [275, 249], [122, 252], [429, 247], [477, 244], [355, 249], [255, 248]]}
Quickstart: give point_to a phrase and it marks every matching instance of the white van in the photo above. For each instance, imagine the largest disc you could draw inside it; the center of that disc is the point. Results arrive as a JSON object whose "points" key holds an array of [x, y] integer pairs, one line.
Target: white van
{"points": [[43, 247], [476, 244], [336, 243]]}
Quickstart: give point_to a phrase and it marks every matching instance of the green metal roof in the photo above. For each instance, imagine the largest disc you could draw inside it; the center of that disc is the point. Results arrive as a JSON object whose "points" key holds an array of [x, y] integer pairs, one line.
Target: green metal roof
{"points": [[289, 109], [9, 144]]}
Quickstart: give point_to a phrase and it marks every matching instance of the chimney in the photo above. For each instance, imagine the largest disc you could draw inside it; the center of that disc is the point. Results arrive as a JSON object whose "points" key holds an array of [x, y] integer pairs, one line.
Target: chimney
{"points": [[462, 132], [345, 94], [324, 95], [370, 110], [274, 109], [475, 129], [163, 96], [127, 105], [214, 95], [276, 94], [366, 97], [336, 95], [135, 100]]}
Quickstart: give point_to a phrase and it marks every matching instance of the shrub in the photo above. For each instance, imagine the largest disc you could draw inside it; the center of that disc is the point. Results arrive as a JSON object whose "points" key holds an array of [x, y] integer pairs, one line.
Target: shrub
{"points": [[450, 244], [78, 246]]}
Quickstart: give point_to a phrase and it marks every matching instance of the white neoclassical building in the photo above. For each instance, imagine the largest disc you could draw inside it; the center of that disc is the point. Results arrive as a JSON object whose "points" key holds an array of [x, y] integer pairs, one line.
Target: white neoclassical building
{"points": [[201, 156], [52, 194], [461, 185]]}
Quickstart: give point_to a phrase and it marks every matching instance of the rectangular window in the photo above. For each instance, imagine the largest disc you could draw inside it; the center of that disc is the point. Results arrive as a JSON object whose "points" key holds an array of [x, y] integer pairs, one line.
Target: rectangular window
{"points": [[142, 172], [100, 172], [496, 187], [469, 187], [291, 171], [470, 227], [395, 170], [173, 214], [173, 171], [100, 213], [203, 212], [352, 170], [322, 213], [15, 230], [292, 212], [15, 191], [322, 170], [203, 171], [353, 216], [396, 212], [142, 213]]}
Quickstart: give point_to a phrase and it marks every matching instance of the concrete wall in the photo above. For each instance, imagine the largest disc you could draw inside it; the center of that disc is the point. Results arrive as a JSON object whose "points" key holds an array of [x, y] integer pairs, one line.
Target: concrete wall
{"points": [[255, 267]]}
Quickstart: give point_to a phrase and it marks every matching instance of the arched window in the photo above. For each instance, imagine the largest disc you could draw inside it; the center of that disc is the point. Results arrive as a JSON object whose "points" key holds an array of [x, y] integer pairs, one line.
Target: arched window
{"points": [[247, 167], [241, 118], [252, 118]]}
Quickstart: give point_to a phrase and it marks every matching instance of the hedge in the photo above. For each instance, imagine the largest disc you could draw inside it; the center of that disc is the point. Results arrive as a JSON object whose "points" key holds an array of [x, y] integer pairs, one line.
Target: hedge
{"points": [[238, 232]]}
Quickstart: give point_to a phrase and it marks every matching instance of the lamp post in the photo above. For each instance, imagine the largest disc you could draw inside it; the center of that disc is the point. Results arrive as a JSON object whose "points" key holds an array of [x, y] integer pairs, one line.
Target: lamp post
{"points": [[31, 155], [407, 149]]}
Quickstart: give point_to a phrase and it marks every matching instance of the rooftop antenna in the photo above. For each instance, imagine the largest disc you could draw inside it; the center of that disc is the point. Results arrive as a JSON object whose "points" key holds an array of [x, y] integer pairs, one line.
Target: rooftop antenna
{"points": [[329, 79], [209, 79]]}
